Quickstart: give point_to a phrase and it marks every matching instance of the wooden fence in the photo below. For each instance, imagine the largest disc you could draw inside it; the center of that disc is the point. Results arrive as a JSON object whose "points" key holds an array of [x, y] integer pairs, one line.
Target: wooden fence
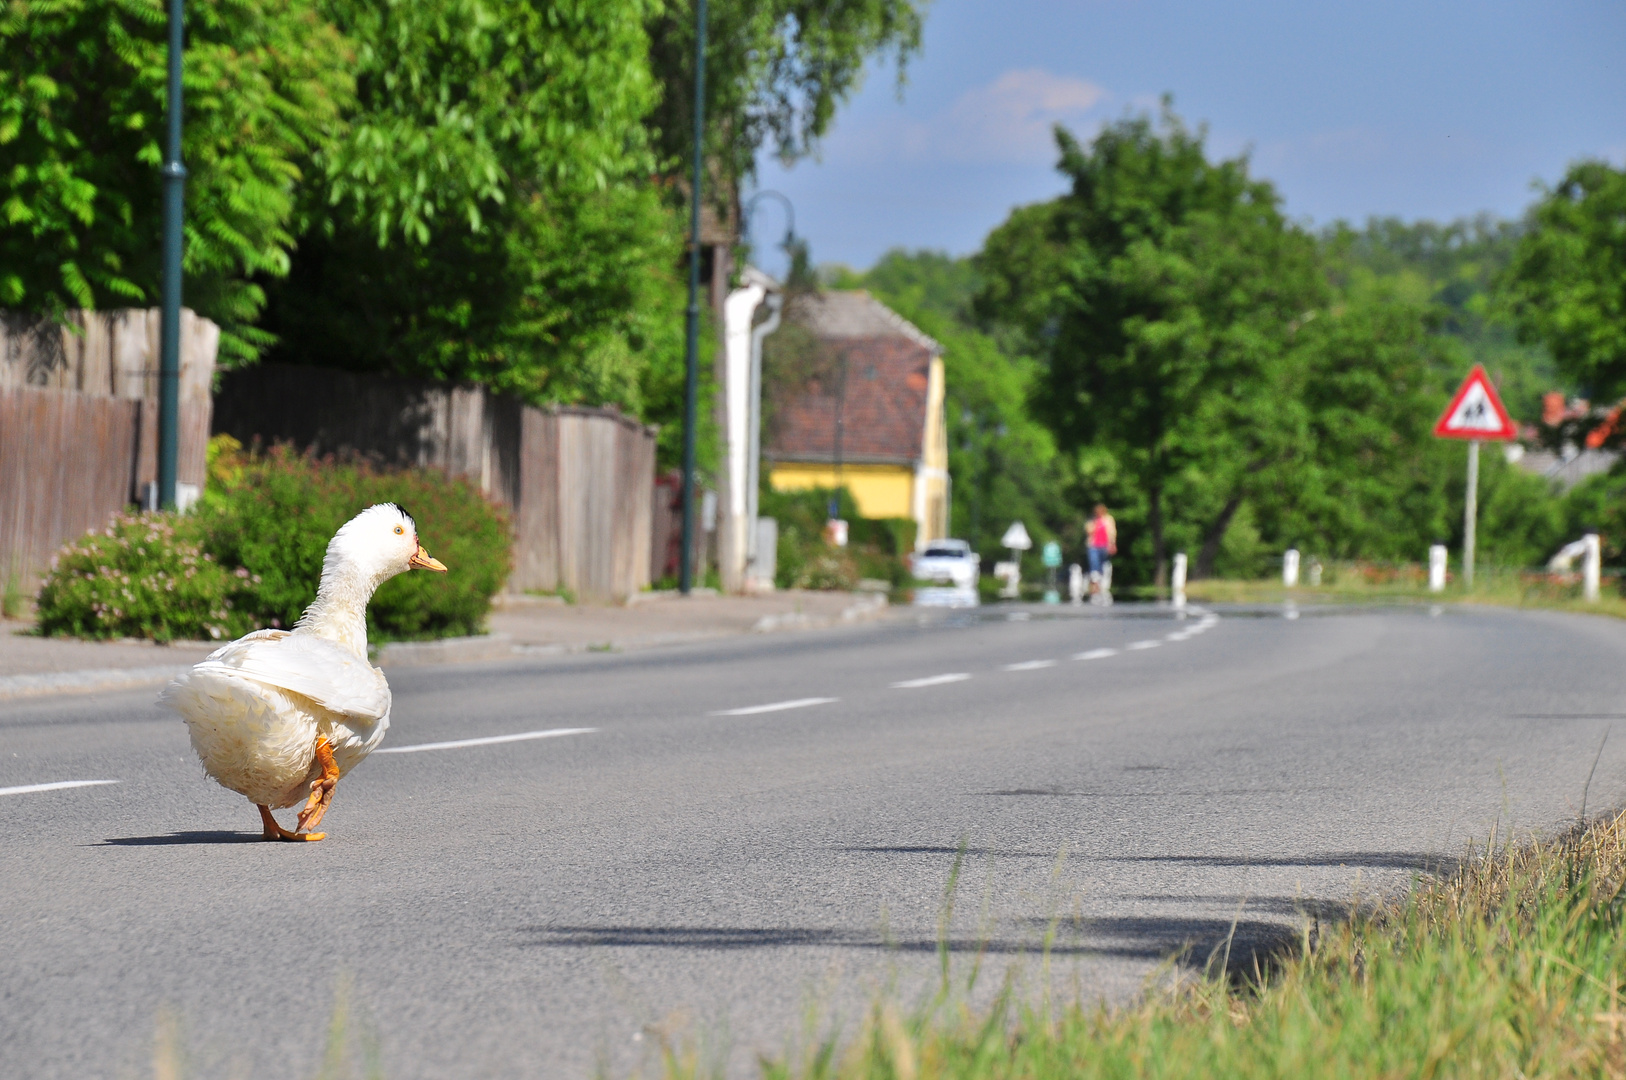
{"points": [[578, 483], [79, 423]]}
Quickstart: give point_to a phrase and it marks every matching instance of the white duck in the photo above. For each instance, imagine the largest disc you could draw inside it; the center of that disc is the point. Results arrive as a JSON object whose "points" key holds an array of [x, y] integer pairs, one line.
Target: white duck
{"points": [[280, 715]]}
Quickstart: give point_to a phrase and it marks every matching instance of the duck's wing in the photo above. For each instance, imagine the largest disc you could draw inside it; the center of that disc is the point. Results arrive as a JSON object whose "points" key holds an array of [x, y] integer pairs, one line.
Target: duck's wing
{"points": [[334, 678]]}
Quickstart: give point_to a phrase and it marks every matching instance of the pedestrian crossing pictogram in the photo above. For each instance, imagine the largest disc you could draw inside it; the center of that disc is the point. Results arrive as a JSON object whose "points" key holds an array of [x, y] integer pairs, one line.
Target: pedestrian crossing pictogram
{"points": [[1476, 412]]}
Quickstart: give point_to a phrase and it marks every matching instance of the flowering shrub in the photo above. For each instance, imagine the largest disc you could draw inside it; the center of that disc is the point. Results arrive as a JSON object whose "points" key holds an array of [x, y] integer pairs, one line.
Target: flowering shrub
{"points": [[250, 556], [274, 513], [142, 577]]}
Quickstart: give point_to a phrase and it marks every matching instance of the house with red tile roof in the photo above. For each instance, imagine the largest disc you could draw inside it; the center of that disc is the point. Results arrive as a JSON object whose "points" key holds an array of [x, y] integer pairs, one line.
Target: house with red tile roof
{"points": [[873, 420]]}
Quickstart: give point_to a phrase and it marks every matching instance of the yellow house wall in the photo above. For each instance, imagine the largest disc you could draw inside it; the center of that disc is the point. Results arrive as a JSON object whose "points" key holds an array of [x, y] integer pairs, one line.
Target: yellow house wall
{"points": [[880, 490], [889, 490]]}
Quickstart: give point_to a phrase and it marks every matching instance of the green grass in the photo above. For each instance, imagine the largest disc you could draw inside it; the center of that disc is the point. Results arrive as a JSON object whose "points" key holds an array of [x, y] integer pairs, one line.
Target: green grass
{"points": [[1357, 583], [1509, 965]]}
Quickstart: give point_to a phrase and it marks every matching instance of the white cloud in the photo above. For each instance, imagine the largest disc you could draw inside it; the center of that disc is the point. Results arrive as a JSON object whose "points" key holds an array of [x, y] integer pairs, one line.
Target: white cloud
{"points": [[1006, 121], [1010, 119]]}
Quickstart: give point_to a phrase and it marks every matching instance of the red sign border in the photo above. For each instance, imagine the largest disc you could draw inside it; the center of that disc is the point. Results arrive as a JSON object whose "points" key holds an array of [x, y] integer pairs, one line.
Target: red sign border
{"points": [[1509, 431]]}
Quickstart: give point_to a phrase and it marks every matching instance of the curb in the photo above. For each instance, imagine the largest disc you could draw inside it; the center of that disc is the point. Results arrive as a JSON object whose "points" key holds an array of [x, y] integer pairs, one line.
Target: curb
{"points": [[405, 654], [870, 607], [456, 650], [84, 682]]}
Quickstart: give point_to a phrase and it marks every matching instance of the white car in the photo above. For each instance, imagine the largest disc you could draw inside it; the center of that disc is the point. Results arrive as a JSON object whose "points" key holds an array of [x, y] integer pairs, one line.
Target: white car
{"points": [[951, 562]]}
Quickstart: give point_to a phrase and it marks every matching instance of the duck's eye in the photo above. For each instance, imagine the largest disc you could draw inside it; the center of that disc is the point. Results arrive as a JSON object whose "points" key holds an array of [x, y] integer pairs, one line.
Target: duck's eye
{"points": [[399, 530]]}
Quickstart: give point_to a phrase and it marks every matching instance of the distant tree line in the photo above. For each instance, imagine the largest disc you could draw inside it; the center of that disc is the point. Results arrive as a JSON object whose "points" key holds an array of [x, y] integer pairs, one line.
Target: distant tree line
{"points": [[1164, 339]]}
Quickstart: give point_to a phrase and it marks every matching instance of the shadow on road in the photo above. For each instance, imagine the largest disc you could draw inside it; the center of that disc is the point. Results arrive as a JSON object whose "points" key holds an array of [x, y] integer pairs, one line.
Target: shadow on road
{"points": [[714, 938], [1372, 860], [181, 838], [938, 849]]}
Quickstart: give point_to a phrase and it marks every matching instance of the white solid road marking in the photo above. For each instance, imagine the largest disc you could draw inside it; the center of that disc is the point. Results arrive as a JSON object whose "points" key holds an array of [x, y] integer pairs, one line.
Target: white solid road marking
{"points": [[799, 703], [1096, 654], [1030, 665], [930, 680], [458, 744], [1143, 644], [58, 786]]}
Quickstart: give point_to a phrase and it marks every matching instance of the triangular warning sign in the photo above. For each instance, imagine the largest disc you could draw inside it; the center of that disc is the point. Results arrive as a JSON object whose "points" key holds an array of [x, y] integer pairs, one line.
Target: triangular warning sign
{"points": [[1476, 412]]}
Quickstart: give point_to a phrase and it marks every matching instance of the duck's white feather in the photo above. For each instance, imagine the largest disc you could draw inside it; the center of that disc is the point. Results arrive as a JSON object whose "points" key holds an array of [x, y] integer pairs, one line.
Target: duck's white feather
{"points": [[255, 708], [331, 676]]}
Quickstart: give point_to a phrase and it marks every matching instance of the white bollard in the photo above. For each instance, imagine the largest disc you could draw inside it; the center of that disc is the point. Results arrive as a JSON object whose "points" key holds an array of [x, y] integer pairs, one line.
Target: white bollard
{"points": [[1076, 586], [1290, 567], [1179, 579], [1591, 566], [1437, 556]]}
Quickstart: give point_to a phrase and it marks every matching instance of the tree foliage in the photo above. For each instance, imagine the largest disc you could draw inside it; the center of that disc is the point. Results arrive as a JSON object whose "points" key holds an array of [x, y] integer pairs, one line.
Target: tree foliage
{"points": [[1162, 295], [1567, 284], [775, 72], [489, 214], [1452, 271], [82, 107], [1231, 385]]}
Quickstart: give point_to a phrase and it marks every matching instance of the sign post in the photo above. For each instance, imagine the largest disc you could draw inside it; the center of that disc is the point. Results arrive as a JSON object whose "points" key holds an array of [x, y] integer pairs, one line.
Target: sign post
{"points": [[1476, 413]]}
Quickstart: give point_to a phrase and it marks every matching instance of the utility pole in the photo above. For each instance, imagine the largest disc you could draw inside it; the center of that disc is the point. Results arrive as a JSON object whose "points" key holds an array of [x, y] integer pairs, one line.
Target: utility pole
{"points": [[691, 356], [169, 337], [840, 432]]}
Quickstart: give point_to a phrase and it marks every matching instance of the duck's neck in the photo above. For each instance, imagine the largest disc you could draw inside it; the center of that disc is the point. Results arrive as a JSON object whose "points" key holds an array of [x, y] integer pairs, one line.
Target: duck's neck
{"points": [[339, 612]]}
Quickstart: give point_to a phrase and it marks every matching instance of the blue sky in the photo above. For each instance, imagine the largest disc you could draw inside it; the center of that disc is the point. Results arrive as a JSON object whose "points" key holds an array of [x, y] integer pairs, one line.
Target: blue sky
{"points": [[1356, 108]]}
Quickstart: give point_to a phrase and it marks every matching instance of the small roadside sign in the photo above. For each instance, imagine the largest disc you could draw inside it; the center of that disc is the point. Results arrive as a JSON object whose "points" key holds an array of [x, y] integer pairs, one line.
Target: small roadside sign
{"points": [[1476, 412], [1052, 553], [1016, 537]]}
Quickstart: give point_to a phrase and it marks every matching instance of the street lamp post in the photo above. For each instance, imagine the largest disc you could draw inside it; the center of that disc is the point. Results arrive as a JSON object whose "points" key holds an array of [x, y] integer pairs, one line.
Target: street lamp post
{"points": [[691, 355], [169, 355]]}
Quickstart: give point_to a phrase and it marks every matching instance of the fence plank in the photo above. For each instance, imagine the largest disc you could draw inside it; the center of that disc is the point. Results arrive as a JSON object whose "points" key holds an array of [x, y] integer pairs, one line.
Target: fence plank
{"points": [[64, 469]]}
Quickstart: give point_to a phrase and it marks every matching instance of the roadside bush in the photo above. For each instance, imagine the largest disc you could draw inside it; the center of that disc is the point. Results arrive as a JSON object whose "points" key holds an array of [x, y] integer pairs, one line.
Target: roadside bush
{"points": [[877, 548], [143, 577], [250, 555], [273, 515]]}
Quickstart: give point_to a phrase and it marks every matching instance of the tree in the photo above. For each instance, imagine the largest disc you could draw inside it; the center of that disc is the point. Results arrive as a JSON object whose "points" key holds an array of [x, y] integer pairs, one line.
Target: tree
{"points": [[1161, 295], [1566, 287], [775, 70], [489, 214], [82, 108], [1452, 270]]}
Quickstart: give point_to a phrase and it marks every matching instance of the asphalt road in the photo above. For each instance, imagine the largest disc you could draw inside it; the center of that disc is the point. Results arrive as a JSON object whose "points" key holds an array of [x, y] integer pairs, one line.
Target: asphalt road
{"points": [[551, 906]]}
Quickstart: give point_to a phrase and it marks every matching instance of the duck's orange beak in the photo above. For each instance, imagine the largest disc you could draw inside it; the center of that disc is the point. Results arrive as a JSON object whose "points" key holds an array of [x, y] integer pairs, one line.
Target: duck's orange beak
{"points": [[422, 560]]}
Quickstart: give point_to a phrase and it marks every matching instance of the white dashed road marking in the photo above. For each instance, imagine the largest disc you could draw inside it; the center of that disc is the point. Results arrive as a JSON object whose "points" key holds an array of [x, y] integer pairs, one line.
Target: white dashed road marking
{"points": [[1143, 645], [458, 744], [777, 706], [1030, 665], [1096, 654], [931, 680], [58, 786]]}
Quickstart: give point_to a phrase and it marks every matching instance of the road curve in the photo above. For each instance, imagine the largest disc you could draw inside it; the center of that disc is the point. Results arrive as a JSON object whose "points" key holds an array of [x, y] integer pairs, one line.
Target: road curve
{"points": [[563, 858]]}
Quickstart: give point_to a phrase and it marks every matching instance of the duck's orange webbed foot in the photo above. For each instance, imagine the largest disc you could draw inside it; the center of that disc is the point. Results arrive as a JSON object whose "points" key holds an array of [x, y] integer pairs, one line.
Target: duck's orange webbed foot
{"points": [[273, 831], [321, 796]]}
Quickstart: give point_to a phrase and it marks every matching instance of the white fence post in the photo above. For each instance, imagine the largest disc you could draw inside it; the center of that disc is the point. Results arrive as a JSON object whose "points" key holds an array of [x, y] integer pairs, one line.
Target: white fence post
{"points": [[1437, 556], [1179, 579], [1290, 567], [1591, 566]]}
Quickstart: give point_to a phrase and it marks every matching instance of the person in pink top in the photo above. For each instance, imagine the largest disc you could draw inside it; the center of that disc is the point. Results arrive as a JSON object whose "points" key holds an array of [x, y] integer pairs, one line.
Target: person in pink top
{"points": [[1103, 544]]}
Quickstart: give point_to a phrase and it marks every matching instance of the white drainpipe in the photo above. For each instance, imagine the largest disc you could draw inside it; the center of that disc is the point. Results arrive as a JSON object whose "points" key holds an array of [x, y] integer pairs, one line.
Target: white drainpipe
{"points": [[753, 477]]}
